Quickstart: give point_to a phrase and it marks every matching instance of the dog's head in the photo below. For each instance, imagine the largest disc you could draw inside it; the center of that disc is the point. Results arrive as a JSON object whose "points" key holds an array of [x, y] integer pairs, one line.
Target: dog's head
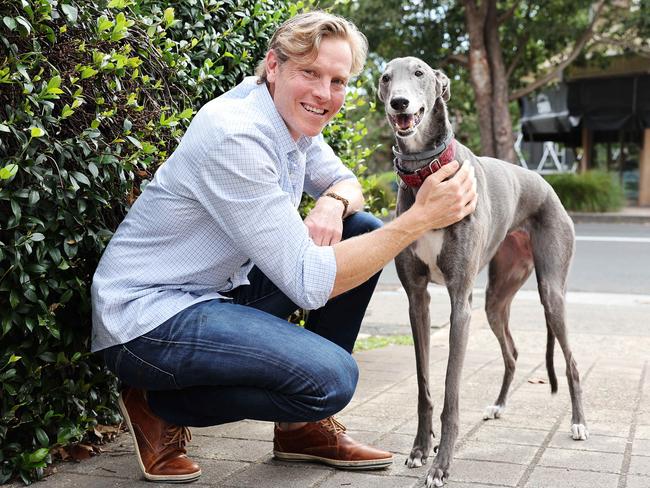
{"points": [[410, 89]]}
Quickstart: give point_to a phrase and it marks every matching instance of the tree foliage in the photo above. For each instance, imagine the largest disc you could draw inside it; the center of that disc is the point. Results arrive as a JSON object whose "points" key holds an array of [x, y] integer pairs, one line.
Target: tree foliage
{"points": [[535, 41]]}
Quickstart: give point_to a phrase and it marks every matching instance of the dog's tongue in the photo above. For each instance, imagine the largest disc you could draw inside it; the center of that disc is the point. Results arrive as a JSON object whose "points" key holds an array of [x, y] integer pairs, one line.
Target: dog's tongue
{"points": [[404, 121]]}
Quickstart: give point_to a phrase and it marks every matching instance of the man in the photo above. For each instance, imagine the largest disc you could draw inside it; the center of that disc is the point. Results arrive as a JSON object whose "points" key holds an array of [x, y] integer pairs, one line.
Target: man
{"points": [[191, 296]]}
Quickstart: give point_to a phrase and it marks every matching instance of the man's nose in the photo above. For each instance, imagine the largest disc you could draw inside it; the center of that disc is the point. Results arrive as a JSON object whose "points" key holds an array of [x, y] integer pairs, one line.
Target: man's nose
{"points": [[321, 89]]}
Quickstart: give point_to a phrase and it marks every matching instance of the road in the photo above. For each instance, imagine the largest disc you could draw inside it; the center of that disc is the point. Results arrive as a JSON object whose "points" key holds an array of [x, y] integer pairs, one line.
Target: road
{"points": [[609, 258]]}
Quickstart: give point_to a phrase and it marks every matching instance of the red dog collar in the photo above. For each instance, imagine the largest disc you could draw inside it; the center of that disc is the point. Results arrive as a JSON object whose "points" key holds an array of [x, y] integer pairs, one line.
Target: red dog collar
{"points": [[435, 160]]}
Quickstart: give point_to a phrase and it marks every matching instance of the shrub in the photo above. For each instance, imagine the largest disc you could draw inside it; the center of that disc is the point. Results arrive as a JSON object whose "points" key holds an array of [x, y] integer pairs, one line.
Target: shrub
{"points": [[592, 191], [93, 97]]}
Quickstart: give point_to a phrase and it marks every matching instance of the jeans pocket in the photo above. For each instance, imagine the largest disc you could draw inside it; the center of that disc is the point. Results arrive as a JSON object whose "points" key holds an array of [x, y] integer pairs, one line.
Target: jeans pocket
{"points": [[136, 372]]}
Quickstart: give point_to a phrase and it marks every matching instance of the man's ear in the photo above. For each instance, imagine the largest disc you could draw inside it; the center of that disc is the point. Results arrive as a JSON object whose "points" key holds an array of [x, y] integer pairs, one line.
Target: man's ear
{"points": [[272, 65], [443, 80]]}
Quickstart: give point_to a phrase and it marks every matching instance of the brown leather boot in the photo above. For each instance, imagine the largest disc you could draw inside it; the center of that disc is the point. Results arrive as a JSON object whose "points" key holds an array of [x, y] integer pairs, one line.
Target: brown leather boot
{"points": [[326, 442], [159, 446]]}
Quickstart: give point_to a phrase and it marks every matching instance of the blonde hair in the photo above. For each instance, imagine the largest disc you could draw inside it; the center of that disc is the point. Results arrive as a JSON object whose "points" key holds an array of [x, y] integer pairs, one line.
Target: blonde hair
{"points": [[299, 39]]}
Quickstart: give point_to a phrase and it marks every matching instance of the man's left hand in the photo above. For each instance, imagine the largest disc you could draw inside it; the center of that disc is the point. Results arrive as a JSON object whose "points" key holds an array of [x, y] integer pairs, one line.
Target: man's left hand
{"points": [[325, 221]]}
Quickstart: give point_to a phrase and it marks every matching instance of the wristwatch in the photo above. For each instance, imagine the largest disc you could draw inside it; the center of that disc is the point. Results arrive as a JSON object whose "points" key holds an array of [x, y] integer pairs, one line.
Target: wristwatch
{"points": [[345, 201]]}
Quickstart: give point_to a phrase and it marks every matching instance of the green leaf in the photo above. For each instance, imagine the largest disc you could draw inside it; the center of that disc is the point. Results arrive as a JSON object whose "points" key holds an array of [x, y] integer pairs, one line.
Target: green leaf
{"points": [[70, 12], [55, 82], [10, 22], [169, 16], [37, 237], [38, 456], [81, 178], [37, 132], [104, 24], [66, 112], [8, 171], [4, 128], [186, 114], [42, 437], [87, 72], [14, 358], [25, 23]]}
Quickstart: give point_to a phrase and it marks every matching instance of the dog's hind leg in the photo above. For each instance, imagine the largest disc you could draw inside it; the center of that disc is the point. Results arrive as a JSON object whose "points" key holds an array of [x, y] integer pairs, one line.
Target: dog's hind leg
{"points": [[414, 276], [509, 269], [553, 242]]}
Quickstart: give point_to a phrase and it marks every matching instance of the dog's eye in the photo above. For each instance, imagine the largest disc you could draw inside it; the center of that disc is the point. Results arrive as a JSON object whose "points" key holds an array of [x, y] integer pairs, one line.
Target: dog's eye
{"points": [[418, 73], [385, 79]]}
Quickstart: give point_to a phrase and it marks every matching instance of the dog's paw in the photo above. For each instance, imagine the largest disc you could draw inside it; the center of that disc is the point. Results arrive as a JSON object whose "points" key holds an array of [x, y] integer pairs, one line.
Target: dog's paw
{"points": [[416, 459], [436, 477], [493, 412], [579, 432]]}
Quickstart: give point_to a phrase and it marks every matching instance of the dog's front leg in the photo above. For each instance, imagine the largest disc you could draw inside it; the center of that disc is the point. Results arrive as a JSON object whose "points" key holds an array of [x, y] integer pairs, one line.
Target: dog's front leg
{"points": [[414, 276], [458, 335]]}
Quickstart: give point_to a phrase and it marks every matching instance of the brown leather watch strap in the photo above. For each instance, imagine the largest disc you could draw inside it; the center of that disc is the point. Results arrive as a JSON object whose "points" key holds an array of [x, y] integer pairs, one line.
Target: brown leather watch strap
{"points": [[345, 201]]}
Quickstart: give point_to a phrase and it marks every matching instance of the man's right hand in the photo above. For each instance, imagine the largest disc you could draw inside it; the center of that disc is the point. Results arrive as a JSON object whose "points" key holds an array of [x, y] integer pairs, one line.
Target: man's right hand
{"points": [[442, 203]]}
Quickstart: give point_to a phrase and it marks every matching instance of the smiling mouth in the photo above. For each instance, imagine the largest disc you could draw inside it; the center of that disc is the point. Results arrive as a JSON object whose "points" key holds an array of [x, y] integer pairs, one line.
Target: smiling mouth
{"points": [[405, 124], [314, 110]]}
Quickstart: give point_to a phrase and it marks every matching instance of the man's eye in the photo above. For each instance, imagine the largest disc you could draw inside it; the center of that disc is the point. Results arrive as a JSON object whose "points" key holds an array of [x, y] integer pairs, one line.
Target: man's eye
{"points": [[339, 82]]}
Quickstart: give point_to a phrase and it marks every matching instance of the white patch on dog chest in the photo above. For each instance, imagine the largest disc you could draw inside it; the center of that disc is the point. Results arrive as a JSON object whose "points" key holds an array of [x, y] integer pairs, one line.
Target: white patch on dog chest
{"points": [[427, 248]]}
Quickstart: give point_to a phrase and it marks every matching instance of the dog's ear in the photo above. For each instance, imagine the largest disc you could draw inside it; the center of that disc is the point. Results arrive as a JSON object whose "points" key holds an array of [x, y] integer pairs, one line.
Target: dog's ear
{"points": [[443, 81]]}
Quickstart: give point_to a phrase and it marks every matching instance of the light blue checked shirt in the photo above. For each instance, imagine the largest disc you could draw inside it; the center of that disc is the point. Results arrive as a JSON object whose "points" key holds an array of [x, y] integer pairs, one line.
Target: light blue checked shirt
{"points": [[225, 199]]}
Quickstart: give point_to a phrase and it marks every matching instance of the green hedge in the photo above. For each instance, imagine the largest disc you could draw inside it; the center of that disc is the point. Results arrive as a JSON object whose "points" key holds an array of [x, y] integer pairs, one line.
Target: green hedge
{"points": [[93, 97], [592, 191]]}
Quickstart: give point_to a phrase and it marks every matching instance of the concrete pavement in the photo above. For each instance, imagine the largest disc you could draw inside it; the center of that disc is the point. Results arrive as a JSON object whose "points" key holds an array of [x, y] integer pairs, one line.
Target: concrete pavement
{"points": [[529, 447]]}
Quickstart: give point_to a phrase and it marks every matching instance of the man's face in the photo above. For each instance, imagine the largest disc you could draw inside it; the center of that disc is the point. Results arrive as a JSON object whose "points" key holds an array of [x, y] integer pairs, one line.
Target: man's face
{"points": [[308, 95]]}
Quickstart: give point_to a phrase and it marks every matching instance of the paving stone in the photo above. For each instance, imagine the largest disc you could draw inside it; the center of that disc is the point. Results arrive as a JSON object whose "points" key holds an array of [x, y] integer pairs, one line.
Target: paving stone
{"points": [[486, 472], [582, 460], [274, 476], [640, 465], [233, 449], [250, 429], [510, 436], [367, 480], [594, 443], [607, 428], [486, 451], [543, 477], [641, 447], [637, 482], [642, 432]]}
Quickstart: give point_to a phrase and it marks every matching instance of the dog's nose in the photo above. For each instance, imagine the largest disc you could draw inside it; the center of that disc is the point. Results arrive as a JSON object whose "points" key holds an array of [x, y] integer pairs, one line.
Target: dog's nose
{"points": [[399, 103]]}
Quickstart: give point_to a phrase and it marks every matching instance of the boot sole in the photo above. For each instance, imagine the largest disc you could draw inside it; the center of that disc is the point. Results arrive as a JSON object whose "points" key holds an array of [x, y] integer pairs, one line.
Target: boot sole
{"points": [[180, 478], [367, 464]]}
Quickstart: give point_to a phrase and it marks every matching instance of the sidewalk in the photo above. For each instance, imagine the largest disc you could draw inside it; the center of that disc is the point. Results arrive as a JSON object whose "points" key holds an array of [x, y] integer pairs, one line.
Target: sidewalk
{"points": [[529, 447], [628, 215]]}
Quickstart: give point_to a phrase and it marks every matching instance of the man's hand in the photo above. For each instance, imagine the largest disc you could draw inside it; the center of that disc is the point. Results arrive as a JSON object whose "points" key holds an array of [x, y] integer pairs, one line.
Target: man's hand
{"points": [[325, 221], [447, 202]]}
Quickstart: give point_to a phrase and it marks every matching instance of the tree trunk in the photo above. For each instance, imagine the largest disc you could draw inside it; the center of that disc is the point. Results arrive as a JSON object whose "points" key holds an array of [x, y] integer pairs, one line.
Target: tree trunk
{"points": [[479, 72], [489, 79]]}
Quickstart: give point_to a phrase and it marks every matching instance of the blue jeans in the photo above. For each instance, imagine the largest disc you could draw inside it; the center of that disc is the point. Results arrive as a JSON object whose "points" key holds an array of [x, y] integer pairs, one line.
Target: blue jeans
{"points": [[222, 361]]}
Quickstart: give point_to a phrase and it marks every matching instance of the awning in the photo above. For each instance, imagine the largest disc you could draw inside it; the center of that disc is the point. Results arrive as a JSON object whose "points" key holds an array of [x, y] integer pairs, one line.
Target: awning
{"points": [[611, 104], [606, 106]]}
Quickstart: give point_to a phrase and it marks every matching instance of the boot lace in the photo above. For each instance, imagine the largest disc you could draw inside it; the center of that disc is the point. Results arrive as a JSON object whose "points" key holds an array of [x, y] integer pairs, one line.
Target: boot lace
{"points": [[332, 425], [177, 436]]}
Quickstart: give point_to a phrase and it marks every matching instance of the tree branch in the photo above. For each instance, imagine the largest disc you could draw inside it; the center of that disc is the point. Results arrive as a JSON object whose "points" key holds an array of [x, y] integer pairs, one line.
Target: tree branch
{"points": [[461, 59], [557, 70], [508, 13]]}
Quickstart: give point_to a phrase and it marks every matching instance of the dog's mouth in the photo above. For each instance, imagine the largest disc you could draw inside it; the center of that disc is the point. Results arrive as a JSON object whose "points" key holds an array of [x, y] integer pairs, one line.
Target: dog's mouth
{"points": [[405, 124]]}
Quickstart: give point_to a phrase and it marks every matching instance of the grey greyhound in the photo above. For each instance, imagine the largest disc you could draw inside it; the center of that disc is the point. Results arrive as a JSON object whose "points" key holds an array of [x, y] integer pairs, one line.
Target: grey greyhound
{"points": [[519, 224]]}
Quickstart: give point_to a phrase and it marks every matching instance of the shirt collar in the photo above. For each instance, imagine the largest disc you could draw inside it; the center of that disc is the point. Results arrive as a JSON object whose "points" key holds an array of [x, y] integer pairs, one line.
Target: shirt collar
{"points": [[285, 140]]}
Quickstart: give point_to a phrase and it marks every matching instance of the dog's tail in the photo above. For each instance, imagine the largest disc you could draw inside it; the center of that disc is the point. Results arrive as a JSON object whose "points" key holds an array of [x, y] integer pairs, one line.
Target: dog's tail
{"points": [[550, 369]]}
